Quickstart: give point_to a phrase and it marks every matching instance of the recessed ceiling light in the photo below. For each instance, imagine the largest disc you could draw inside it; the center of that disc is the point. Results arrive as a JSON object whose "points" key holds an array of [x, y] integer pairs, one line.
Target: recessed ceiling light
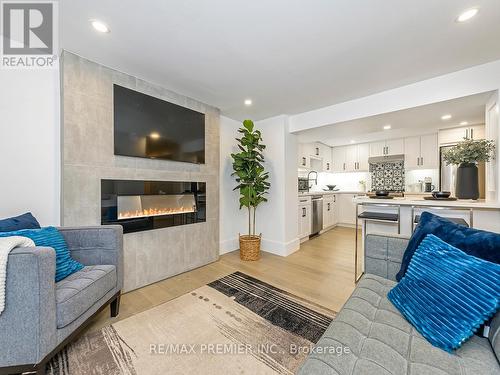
{"points": [[353, 141], [463, 123], [445, 117], [100, 26], [154, 135], [248, 102], [467, 15], [387, 127]]}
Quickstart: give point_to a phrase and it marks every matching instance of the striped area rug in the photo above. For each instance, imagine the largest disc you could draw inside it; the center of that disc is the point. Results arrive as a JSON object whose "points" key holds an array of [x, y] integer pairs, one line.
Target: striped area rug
{"points": [[234, 325]]}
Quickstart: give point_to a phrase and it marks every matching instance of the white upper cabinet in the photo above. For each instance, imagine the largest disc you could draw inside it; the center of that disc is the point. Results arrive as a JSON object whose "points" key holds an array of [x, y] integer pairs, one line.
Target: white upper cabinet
{"points": [[388, 147], [421, 152], [395, 147], [351, 158], [377, 149], [304, 161], [412, 152], [339, 159], [454, 135], [429, 151], [363, 155], [327, 158]]}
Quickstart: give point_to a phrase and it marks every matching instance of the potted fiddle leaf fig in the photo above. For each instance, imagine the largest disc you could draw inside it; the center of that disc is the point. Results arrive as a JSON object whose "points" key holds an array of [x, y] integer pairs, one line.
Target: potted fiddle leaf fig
{"points": [[466, 154], [252, 182]]}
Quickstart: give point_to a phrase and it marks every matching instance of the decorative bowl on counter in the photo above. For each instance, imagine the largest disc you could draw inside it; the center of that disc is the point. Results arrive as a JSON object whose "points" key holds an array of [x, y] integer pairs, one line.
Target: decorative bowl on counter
{"points": [[331, 187], [381, 193], [441, 194]]}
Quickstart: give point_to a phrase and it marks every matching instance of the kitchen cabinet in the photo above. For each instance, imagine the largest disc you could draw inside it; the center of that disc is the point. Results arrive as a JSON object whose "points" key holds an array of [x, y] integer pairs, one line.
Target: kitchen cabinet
{"points": [[387, 147], [329, 202], [351, 158], [339, 159], [454, 135], [346, 209], [363, 151], [421, 152], [327, 158], [304, 160], [305, 217]]}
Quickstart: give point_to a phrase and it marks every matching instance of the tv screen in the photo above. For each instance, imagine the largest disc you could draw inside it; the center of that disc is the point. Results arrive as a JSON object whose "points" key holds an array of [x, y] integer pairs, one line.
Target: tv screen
{"points": [[148, 127]]}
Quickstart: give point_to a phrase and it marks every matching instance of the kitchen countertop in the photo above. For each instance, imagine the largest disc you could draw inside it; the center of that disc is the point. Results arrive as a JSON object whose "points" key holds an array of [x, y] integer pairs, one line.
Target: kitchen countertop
{"points": [[416, 201], [330, 192]]}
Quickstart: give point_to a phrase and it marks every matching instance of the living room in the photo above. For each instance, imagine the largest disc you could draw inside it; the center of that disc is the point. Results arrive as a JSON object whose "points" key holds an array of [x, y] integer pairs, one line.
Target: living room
{"points": [[150, 185]]}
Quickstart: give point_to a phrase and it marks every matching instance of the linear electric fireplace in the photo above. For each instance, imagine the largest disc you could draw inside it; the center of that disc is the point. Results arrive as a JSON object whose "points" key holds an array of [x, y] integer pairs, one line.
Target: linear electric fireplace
{"points": [[145, 205]]}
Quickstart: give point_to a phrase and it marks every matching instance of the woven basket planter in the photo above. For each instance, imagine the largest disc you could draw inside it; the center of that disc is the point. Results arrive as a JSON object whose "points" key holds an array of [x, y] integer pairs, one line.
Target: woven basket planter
{"points": [[250, 247]]}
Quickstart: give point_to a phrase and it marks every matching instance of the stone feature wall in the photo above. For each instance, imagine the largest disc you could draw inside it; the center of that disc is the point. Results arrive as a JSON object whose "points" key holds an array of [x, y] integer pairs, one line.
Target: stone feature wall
{"points": [[88, 157]]}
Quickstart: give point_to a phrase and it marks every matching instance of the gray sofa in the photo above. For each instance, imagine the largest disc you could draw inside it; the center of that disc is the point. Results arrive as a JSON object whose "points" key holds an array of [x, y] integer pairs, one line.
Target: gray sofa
{"points": [[381, 341], [41, 316]]}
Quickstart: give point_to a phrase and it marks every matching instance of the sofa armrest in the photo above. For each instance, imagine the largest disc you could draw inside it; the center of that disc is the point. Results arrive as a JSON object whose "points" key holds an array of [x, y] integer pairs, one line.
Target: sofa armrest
{"points": [[384, 253], [97, 246], [28, 323]]}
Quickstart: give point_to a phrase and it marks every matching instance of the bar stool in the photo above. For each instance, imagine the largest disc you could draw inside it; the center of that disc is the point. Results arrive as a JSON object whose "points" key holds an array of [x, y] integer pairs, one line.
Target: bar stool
{"points": [[371, 216], [456, 220]]}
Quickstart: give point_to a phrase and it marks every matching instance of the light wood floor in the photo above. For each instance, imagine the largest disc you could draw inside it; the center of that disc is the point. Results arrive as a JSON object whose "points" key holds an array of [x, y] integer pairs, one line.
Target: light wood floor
{"points": [[322, 271]]}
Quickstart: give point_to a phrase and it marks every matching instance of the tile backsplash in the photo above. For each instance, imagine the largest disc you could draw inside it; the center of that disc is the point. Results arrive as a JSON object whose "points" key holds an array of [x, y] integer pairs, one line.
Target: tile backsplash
{"points": [[388, 176]]}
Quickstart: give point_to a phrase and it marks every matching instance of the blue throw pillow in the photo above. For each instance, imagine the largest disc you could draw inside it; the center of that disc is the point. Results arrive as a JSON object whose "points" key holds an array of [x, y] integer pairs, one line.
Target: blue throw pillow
{"points": [[447, 294], [479, 243], [51, 237], [24, 221]]}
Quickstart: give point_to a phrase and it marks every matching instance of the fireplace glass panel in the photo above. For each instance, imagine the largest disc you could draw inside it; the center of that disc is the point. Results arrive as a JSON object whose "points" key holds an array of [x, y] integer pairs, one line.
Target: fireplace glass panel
{"points": [[136, 206]]}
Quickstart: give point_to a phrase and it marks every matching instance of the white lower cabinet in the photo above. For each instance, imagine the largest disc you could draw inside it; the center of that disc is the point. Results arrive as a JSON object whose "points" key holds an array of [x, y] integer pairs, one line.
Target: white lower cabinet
{"points": [[346, 209], [305, 217], [328, 211]]}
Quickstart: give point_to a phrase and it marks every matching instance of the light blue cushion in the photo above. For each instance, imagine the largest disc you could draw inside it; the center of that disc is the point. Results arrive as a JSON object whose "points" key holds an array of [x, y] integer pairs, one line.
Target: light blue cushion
{"points": [[50, 237], [447, 294]]}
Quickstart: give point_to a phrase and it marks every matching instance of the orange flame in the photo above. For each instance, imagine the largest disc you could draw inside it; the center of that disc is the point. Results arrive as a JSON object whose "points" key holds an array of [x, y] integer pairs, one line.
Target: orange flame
{"points": [[154, 212]]}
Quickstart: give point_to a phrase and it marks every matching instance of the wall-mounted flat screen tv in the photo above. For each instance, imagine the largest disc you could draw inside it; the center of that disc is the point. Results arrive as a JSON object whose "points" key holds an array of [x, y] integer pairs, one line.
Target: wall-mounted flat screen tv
{"points": [[148, 127]]}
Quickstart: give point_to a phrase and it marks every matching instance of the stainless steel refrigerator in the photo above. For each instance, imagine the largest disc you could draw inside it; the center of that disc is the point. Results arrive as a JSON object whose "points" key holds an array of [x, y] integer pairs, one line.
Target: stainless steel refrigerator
{"points": [[448, 174]]}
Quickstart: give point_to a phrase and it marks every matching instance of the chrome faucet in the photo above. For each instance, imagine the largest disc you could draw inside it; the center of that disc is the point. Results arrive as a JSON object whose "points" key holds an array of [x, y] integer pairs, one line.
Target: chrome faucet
{"points": [[313, 179]]}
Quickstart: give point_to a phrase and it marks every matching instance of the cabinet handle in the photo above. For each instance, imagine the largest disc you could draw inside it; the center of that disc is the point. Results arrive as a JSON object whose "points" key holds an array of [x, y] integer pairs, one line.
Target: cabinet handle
{"points": [[303, 212], [328, 206], [466, 133], [344, 167], [304, 162], [327, 166], [471, 133], [334, 198], [422, 160], [317, 151], [418, 160]]}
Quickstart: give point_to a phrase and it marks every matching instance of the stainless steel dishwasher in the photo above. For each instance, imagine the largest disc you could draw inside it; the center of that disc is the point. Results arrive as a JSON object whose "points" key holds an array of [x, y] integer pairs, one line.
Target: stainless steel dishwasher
{"points": [[317, 214]]}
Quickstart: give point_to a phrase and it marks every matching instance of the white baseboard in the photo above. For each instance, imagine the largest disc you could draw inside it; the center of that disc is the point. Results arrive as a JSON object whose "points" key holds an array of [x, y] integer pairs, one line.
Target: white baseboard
{"points": [[269, 246]]}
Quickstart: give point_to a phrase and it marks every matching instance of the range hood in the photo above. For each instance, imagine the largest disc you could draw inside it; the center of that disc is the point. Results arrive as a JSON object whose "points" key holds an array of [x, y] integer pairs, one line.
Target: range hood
{"points": [[386, 159]]}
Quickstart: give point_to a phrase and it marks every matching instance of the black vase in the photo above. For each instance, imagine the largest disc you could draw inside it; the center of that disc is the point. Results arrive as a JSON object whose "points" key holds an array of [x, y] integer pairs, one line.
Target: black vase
{"points": [[467, 181]]}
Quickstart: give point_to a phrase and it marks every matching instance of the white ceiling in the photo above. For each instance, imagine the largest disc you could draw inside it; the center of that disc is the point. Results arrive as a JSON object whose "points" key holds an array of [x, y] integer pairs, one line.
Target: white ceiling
{"points": [[289, 56], [408, 122]]}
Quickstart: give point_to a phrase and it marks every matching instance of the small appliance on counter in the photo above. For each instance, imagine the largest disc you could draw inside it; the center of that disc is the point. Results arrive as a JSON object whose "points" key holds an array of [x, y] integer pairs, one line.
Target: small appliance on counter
{"points": [[428, 186]]}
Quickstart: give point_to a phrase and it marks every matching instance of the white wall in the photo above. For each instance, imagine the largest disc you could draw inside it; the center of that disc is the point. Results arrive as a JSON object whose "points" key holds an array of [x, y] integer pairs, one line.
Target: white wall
{"points": [[30, 144], [232, 219], [277, 218]]}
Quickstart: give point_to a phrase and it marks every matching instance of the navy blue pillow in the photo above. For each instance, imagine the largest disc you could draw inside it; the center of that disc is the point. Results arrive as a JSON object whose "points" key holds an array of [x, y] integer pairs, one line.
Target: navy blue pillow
{"points": [[479, 243], [24, 221], [446, 294]]}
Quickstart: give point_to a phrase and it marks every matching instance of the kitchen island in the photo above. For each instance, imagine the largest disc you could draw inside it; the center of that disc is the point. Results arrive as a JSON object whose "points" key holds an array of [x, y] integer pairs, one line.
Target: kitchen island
{"points": [[479, 214]]}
